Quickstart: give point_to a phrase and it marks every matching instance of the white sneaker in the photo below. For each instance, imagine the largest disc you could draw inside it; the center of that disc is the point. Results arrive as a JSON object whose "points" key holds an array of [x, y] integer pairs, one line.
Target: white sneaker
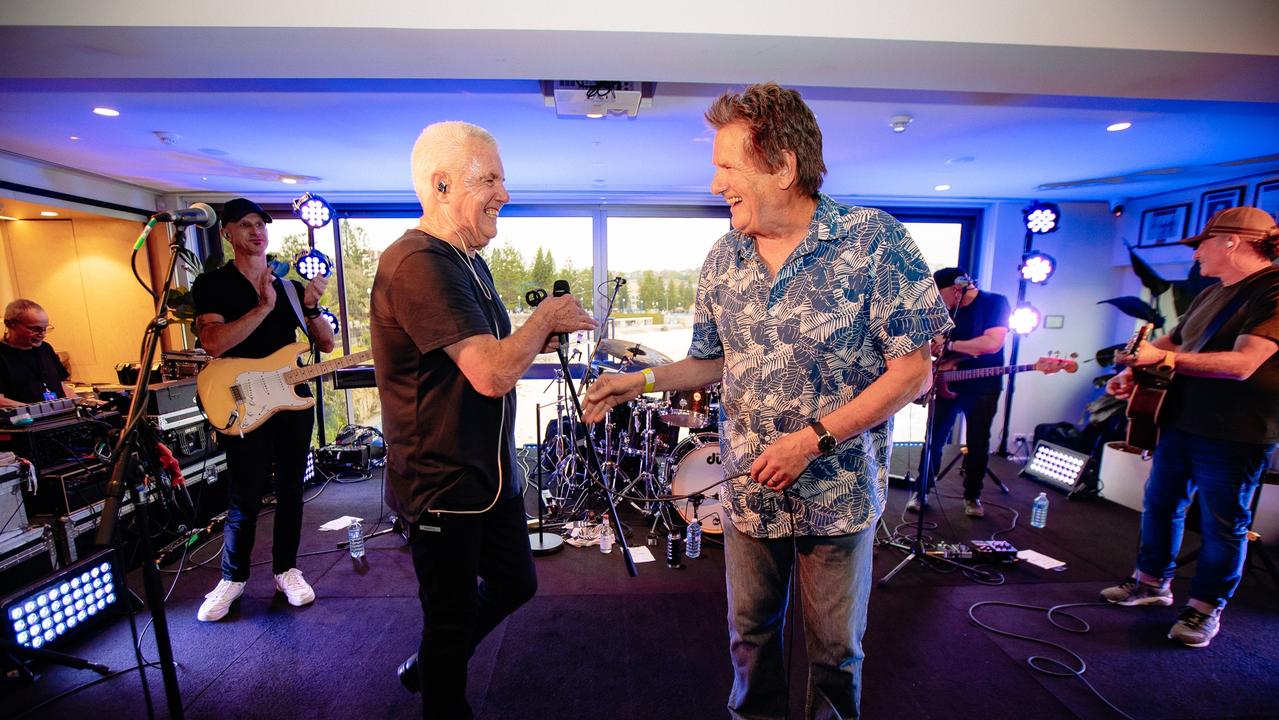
{"points": [[294, 586], [218, 602]]}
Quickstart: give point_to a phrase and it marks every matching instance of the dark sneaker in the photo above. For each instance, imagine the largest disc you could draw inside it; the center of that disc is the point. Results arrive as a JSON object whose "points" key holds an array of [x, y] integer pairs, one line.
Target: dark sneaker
{"points": [[407, 672], [915, 505], [1195, 629], [973, 508], [1131, 592]]}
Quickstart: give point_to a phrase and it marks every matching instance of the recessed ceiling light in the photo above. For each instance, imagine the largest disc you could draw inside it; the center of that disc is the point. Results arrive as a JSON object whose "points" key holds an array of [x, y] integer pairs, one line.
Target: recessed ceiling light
{"points": [[595, 115], [204, 178], [48, 213], [941, 188], [75, 137], [106, 112], [289, 180], [1116, 127]]}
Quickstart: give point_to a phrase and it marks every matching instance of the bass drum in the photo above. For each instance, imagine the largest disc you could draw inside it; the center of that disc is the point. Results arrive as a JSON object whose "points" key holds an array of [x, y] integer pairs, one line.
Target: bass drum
{"points": [[695, 467]]}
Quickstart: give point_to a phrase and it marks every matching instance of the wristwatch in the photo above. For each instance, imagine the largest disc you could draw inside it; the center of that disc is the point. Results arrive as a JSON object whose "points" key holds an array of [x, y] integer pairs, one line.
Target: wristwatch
{"points": [[825, 441], [311, 312]]}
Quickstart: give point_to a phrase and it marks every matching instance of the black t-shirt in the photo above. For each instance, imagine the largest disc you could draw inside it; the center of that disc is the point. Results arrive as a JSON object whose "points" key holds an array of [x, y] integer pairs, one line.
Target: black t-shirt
{"points": [[449, 447], [228, 293], [986, 311], [25, 374], [1241, 410]]}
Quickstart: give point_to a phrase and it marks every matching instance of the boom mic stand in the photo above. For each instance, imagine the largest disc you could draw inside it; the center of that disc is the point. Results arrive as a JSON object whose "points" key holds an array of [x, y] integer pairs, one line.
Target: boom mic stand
{"points": [[926, 469], [130, 449], [542, 542]]}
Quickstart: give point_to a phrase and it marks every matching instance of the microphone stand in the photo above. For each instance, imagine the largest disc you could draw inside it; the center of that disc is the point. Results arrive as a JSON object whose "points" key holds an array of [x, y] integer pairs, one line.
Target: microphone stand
{"points": [[926, 472], [592, 457], [133, 446]]}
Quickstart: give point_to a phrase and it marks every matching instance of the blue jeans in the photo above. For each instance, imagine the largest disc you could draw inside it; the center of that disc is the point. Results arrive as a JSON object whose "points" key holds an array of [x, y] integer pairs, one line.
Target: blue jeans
{"points": [[834, 586], [1225, 474], [979, 412]]}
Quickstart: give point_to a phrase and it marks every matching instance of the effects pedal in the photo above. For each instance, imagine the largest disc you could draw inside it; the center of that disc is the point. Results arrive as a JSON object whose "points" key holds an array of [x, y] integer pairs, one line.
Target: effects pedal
{"points": [[994, 551]]}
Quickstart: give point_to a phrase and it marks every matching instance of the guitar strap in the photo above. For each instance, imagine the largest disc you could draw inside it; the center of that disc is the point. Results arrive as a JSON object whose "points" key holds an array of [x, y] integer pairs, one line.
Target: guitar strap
{"points": [[1225, 314], [292, 292]]}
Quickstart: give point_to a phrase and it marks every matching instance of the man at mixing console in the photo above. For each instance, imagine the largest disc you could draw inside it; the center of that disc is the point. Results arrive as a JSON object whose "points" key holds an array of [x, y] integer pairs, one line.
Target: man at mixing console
{"points": [[30, 370]]}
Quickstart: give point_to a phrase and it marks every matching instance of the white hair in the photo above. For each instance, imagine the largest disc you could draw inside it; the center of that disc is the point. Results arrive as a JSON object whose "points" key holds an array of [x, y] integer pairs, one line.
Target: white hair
{"points": [[443, 146], [15, 309]]}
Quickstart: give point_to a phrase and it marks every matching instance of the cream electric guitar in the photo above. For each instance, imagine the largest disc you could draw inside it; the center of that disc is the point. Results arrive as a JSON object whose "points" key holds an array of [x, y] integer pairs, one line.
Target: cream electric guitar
{"points": [[239, 394]]}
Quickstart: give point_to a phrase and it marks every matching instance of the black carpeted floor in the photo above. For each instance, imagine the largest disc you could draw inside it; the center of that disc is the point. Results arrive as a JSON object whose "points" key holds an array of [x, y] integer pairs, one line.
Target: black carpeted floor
{"points": [[596, 643]]}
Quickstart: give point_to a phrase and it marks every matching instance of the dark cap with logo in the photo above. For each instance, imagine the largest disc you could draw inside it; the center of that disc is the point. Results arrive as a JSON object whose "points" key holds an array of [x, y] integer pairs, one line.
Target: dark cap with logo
{"points": [[235, 210]]}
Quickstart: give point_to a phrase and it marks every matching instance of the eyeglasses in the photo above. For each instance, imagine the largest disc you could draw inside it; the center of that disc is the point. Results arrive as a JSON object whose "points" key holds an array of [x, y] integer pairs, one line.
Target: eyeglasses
{"points": [[39, 329]]}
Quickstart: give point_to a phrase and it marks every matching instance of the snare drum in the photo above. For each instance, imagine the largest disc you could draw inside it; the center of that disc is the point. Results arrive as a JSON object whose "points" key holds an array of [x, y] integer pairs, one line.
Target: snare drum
{"points": [[695, 467], [688, 408]]}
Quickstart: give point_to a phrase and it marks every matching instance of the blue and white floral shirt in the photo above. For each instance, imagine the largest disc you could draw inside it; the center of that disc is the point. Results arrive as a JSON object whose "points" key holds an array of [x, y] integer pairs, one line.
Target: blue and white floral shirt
{"points": [[853, 295]]}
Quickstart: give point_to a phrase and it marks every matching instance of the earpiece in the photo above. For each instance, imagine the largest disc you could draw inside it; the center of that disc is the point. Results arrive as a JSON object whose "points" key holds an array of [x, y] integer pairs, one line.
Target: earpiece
{"points": [[1230, 243], [441, 186]]}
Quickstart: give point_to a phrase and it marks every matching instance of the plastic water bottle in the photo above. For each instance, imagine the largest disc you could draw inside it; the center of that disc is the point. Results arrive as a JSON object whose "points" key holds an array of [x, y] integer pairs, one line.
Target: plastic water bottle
{"points": [[1039, 511], [606, 536], [693, 541], [355, 538]]}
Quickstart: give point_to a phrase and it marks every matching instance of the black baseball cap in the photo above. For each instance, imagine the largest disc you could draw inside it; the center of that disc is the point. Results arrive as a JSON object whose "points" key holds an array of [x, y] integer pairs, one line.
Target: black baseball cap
{"points": [[235, 210], [946, 277]]}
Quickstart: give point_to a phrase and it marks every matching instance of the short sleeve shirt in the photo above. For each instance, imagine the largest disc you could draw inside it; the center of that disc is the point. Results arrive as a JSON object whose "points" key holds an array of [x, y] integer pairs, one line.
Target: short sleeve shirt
{"points": [[986, 311], [26, 374], [853, 295]]}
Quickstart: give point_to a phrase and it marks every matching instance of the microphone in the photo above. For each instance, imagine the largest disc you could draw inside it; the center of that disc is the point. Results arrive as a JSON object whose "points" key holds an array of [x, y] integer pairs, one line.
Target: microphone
{"points": [[561, 288], [198, 214]]}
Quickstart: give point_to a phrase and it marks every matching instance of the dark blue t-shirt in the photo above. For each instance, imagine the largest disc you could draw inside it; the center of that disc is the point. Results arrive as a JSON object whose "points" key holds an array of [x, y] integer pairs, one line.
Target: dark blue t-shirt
{"points": [[986, 311]]}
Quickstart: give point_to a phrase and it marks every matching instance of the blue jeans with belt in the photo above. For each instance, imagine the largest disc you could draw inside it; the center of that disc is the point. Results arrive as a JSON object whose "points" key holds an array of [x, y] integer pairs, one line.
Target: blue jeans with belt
{"points": [[1225, 474], [834, 575]]}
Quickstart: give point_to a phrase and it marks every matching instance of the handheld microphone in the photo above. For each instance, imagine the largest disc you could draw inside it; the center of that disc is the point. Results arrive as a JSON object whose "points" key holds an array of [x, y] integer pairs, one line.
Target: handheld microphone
{"points": [[198, 214], [561, 288]]}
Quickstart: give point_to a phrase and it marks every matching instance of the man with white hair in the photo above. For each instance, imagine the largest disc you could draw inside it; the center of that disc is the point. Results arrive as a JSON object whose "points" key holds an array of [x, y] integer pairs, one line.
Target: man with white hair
{"points": [[30, 370], [446, 361]]}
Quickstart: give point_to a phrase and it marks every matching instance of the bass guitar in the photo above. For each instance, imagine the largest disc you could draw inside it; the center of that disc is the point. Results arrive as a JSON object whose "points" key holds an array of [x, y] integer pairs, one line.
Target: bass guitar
{"points": [[943, 377], [239, 394], [1147, 399]]}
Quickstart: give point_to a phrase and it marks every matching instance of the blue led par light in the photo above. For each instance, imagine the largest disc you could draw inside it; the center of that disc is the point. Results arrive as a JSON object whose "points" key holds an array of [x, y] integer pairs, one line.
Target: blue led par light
{"points": [[63, 603], [1042, 218], [1037, 267], [315, 213]]}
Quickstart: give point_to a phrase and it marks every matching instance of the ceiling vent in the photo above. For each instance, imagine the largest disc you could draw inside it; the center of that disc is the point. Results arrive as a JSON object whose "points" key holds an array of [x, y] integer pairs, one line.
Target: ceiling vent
{"points": [[597, 98]]}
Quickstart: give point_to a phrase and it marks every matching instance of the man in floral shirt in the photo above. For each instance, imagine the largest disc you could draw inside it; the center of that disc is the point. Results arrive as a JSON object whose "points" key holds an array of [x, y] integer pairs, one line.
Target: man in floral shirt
{"points": [[816, 317]]}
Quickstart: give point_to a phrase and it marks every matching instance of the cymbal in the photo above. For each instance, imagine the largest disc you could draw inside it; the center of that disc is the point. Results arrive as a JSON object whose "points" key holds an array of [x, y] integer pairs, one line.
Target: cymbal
{"points": [[623, 355]]}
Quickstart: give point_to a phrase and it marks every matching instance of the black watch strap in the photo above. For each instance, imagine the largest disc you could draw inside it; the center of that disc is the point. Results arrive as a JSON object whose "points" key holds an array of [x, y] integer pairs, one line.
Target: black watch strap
{"points": [[311, 312], [825, 441]]}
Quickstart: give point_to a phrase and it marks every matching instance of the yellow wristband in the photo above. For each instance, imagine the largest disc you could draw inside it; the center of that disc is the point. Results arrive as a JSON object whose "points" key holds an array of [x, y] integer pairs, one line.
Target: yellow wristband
{"points": [[649, 380]]}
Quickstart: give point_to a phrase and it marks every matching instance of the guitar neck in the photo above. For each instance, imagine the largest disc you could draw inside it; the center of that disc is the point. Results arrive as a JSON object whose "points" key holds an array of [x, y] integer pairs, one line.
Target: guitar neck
{"points": [[302, 374], [954, 375]]}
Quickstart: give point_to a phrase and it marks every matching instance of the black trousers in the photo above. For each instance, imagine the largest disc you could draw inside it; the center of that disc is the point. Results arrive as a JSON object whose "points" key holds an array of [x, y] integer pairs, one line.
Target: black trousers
{"points": [[274, 453], [450, 552], [979, 412]]}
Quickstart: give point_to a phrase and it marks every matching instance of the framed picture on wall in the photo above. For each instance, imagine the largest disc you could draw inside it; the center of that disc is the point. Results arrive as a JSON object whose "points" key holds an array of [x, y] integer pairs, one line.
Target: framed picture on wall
{"points": [[1164, 226], [1267, 198], [1215, 201]]}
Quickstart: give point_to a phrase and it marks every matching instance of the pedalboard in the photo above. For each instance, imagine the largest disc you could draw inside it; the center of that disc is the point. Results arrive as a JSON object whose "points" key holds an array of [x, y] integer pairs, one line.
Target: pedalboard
{"points": [[979, 552]]}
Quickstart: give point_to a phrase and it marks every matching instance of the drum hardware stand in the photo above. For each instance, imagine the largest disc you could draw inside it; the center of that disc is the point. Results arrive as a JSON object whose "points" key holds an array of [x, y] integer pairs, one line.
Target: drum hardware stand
{"points": [[916, 548], [542, 542]]}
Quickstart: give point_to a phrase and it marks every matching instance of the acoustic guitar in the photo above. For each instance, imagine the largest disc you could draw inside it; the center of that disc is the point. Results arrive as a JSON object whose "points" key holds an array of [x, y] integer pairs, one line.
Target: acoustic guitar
{"points": [[1147, 399], [239, 394]]}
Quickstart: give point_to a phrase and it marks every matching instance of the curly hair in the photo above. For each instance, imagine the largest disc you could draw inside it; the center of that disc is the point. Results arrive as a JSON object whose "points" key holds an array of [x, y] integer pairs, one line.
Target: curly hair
{"points": [[778, 120]]}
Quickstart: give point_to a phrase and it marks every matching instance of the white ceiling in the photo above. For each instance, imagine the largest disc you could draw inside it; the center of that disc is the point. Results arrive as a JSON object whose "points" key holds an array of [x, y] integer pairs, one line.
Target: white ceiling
{"points": [[996, 116]]}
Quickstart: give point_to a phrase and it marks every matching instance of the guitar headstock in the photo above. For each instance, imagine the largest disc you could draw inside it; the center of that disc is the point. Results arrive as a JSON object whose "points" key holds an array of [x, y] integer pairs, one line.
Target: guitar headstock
{"points": [[1051, 364], [1138, 338]]}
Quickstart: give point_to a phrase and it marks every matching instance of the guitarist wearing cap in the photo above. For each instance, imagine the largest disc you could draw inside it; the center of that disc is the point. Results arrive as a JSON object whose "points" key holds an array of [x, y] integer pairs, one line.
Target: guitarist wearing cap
{"points": [[244, 311], [981, 324], [1217, 424]]}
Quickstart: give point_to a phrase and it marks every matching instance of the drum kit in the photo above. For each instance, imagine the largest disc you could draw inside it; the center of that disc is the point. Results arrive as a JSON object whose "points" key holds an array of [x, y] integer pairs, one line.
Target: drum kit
{"points": [[659, 453]]}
